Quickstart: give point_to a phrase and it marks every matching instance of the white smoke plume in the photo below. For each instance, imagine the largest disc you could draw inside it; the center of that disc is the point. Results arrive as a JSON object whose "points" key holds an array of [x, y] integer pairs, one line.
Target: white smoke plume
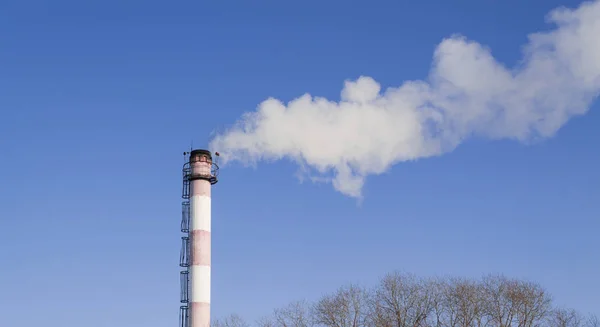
{"points": [[467, 93]]}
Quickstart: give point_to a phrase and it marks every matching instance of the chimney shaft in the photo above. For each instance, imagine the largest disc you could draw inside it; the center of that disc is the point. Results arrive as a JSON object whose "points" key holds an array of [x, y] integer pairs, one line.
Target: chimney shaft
{"points": [[202, 176]]}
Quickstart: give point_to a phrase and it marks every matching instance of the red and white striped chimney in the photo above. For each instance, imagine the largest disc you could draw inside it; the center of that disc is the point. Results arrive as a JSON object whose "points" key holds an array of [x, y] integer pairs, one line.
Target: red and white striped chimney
{"points": [[202, 176]]}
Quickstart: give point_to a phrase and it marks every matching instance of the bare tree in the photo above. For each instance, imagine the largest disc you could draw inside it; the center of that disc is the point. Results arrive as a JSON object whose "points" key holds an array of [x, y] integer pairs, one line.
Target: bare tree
{"points": [[459, 303], [296, 314], [265, 322], [592, 321], [532, 303], [499, 305], [345, 308], [401, 300], [561, 317], [436, 318]]}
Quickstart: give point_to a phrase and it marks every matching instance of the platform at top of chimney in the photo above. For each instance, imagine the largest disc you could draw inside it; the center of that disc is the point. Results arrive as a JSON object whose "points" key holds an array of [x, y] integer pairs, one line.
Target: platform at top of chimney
{"points": [[202, 166]]}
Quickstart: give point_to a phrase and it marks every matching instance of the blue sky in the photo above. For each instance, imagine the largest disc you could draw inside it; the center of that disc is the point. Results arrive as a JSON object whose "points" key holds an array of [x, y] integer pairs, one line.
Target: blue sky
{"points": [[99, 100]]}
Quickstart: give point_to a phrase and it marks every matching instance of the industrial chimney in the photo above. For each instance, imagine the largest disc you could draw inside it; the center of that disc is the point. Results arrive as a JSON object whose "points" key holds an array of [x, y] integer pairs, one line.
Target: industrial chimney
{"points": [[199, 173]]}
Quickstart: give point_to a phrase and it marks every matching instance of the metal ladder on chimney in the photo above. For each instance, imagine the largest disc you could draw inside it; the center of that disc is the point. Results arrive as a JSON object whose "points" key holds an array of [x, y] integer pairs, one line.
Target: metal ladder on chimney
{"points": [[184, 256]]}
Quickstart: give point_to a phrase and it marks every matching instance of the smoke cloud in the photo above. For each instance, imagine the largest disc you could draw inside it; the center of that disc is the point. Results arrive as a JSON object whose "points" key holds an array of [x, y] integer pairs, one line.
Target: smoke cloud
{"points": [[467, 93]]}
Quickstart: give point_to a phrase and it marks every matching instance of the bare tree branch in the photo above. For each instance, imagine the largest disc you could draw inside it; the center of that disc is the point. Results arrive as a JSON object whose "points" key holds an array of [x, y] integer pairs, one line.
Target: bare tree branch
{"points": [[592, 321], [265, 322], [561, 317], [402, 300], [296, 314], [345, 308]]}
